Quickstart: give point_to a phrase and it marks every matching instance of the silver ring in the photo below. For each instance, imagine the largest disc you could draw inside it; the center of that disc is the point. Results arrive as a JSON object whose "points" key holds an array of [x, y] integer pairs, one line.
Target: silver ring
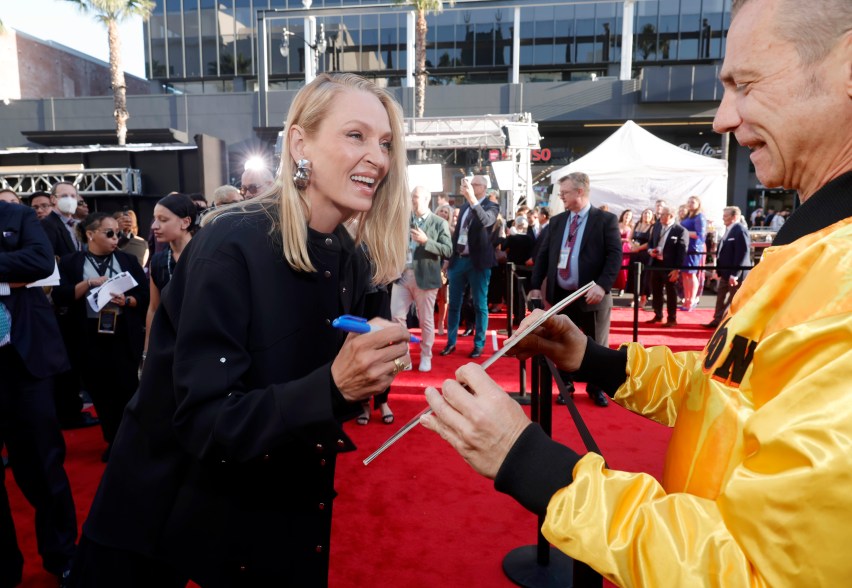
{"points": [[398, 366]]}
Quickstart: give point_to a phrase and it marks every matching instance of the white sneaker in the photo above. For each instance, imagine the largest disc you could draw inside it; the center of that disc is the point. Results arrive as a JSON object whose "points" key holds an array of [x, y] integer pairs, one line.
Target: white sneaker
{"points": [[425, 364]]}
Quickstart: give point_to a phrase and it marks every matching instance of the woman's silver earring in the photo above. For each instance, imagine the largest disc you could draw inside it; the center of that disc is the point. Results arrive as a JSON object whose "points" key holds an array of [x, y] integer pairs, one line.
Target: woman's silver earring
{"points": [[302, 177]]}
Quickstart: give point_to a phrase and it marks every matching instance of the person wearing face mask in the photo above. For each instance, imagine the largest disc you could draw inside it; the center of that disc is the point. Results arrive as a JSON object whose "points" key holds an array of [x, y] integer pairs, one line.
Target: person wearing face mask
{"points": [[108, 343], [60, 225]]}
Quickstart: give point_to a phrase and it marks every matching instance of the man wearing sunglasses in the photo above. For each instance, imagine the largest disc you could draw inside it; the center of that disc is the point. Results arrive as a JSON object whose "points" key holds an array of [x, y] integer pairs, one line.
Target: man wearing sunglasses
{"points": [[255, 181], [82, 209]]}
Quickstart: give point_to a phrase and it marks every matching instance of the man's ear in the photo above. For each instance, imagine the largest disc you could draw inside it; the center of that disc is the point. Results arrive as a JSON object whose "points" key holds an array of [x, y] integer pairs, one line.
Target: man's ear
{"points": [[296, 135]]}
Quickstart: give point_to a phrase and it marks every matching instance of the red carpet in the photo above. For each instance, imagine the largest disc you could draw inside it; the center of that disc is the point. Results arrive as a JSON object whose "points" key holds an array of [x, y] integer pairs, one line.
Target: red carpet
{"points": [[418, 516]]}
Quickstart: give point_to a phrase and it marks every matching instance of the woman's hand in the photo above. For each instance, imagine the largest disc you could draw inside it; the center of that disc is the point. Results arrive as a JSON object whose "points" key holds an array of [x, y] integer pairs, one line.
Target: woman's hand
{"points": [[368, 363], [557, 338], [119, 299]]}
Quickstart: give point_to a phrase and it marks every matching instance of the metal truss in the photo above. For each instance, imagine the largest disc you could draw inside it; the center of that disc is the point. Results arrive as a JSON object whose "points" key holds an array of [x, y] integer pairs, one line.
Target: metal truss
{"points": [[90, 182], [480, 132], [517, 134]]}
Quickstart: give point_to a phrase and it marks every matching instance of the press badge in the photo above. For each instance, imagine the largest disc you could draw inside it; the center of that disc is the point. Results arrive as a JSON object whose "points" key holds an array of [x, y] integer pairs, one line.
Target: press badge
{"points": [[463, 238], [106, 321], [564, 256]]}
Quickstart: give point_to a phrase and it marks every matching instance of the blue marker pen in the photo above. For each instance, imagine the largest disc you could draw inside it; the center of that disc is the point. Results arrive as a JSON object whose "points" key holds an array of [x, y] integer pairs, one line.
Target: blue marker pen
{"points": [[356, 324]]}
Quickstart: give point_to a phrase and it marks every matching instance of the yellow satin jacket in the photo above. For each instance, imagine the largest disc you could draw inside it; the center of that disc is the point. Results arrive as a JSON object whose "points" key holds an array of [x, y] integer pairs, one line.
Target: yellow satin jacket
{"points": [[757, 488]]}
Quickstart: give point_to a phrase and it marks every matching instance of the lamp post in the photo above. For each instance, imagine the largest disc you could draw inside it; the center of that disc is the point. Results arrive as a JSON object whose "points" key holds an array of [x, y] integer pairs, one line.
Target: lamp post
{"points": [[311, 49]]}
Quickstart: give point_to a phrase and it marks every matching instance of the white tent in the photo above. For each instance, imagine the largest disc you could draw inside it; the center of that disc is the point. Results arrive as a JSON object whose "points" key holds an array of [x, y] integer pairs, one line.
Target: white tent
{"points": [[633, 169]]}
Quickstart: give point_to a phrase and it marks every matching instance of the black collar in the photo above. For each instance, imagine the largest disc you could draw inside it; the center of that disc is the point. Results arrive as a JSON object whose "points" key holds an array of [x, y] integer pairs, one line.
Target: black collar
{"points": [[830, 204]]}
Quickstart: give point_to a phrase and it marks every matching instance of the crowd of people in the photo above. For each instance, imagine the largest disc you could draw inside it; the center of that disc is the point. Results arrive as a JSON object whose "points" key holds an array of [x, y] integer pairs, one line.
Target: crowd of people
{"points": [[210, 411]]}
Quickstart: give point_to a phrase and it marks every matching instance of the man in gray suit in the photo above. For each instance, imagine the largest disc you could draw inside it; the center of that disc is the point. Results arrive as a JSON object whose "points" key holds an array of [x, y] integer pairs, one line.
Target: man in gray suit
{"points": [[429, 241]]}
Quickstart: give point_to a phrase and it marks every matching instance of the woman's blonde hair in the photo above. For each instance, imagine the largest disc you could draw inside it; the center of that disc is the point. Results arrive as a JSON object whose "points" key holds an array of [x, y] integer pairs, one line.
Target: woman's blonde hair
{"points": [[383, 229]]}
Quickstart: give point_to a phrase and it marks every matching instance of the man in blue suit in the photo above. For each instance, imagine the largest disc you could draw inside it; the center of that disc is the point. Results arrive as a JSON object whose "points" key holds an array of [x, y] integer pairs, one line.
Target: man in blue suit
{"points": [[31, 353], [734, 253], [472, 260]]}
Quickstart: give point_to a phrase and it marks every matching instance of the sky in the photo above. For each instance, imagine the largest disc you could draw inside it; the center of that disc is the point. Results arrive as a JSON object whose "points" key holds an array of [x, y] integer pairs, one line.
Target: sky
{"points": [[62, 22]]}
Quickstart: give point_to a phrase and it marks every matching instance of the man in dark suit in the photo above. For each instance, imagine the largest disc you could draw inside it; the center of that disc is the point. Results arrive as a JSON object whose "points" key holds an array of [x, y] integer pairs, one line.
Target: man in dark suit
{"points": [[60, 223], [472, 260], [429, 241], [60, 227], [542, 222], [667, 248], [581, 245], [734, 252], [31, 353]]}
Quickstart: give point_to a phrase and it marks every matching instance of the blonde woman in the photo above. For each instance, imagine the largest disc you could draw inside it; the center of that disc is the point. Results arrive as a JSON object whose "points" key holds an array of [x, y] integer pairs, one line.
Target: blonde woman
{"points": [[227, 451], [446, 212], [696, 224]]}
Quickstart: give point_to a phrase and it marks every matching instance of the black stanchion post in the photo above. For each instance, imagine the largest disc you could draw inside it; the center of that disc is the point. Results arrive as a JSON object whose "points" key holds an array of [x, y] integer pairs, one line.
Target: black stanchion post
{"points": [[520, 396], [637, 286], [510, 298], [540, 565]]}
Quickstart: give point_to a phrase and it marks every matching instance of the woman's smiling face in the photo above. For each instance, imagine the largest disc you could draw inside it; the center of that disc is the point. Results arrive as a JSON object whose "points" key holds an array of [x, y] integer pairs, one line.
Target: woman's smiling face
{"points": [[350, 155]]}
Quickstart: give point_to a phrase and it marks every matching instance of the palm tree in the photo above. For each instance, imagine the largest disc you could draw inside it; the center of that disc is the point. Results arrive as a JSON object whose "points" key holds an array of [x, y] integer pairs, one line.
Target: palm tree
{"points": [[423, 7], [112, 12]]}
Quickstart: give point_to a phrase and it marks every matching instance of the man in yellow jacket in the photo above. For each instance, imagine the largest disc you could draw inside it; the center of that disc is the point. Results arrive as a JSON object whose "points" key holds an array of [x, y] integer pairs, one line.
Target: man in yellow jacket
{"points": [[756, 487]]}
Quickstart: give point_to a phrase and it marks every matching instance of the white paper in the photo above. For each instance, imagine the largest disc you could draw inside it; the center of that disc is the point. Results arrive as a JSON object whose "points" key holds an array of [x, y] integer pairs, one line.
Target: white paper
{"points": [[51, 280], [118, 284]]}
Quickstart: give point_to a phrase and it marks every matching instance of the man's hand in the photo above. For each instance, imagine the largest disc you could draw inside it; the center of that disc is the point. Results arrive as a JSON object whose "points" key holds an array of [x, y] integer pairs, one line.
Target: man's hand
{"points": [[467, 192], [673, 275], [418, 236], [482, 424], [558, 338], [595, 294], [733, 281]]}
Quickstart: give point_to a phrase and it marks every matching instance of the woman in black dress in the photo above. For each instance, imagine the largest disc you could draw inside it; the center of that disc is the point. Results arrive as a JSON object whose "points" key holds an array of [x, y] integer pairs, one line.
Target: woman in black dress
{"points": [[174, 224]]}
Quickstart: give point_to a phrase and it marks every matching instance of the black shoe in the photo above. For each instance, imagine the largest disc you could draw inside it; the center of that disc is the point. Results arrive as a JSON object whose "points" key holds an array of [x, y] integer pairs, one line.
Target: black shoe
{"points": [[656, 319], [569, 389], [599, 398], [81, 421], [448, 349], [711, 325], [670, 323], [477, 352], [468, 332]]}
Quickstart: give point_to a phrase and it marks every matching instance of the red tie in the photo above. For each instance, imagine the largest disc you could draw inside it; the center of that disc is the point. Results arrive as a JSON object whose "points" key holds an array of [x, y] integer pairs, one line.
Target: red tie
{"points": [[569, 243]]}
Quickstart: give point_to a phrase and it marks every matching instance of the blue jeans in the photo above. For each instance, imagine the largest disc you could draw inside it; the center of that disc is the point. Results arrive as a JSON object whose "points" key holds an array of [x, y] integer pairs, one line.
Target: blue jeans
{"points": [[460, 274]]}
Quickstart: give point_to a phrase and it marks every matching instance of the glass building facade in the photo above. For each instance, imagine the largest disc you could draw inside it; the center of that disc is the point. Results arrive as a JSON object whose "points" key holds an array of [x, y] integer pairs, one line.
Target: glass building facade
{"points": [[210, 45]]}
